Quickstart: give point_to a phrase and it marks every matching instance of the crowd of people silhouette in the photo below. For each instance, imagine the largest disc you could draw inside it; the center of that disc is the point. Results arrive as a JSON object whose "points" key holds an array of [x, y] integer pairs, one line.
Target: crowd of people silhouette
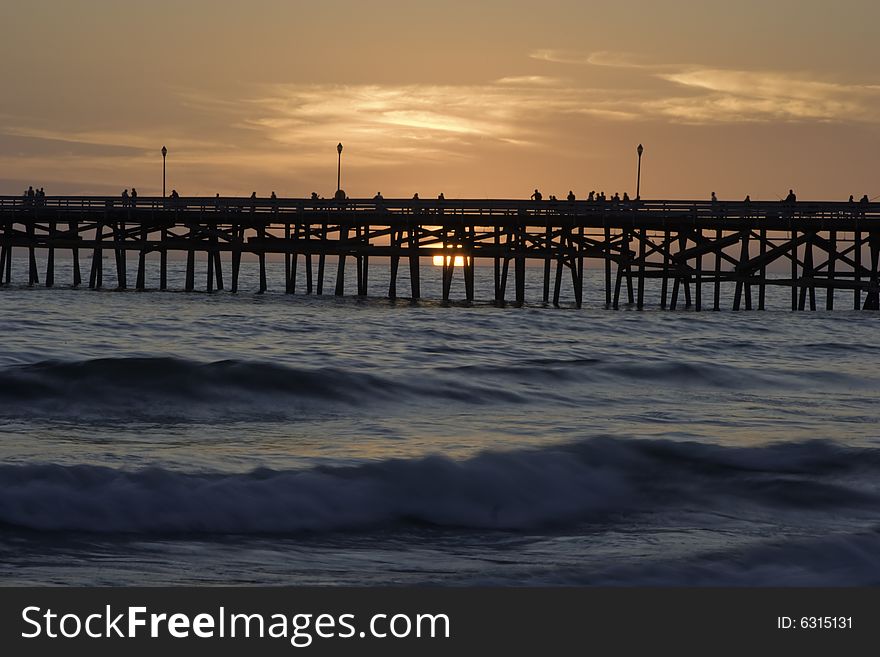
{"points": [[129, 200], [33, 196], [36, 196]]}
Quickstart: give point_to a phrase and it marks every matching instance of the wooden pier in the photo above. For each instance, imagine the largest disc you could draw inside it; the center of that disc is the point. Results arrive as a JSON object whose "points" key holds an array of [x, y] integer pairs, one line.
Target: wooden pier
{"points": [[687, 245]]}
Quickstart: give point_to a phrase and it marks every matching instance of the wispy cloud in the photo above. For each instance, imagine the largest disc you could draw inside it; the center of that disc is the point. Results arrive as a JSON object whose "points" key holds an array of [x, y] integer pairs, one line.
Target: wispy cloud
{"points": [[715, 95], [531, 81], [428, 119], [561, 56]]}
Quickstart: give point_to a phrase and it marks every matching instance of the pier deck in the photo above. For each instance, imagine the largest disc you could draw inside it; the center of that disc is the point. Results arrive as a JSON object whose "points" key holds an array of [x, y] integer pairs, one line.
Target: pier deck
{"points": [[686, 244]]}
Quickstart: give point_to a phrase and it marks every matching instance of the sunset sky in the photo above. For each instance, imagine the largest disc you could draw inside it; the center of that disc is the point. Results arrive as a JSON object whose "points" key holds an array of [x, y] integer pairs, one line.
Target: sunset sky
{"points": [[474, 99]]}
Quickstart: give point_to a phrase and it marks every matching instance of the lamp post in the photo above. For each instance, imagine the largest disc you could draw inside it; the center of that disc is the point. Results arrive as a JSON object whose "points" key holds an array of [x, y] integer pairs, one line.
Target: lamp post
{"points": [[339, 192], [639, 150], [164, 153]]}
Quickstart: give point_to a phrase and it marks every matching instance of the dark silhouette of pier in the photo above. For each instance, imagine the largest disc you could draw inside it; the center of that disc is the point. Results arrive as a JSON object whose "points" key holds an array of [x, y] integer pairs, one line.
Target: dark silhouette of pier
{"points": [[685, 244]]}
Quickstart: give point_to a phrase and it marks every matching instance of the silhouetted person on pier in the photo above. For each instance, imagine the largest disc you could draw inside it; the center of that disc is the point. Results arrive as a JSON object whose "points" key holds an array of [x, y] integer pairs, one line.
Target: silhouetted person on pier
{"points": [[31, 194], [217, 201], [440, 197], [378, 197], [536, 196], [714, 198], [747, 199], [591, 196], [792, 197], [571, 196], [416, 196], [851, 199], [273, 196], [625, 197], [124, 198], [864, 200], [134, 196], [314, 196], [174, 194]]}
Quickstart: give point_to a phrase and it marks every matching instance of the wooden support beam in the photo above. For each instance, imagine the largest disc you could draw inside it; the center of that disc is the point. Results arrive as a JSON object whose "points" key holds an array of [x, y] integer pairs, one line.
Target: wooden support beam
{"points": [[683, 239], [33, 274], [307, 236], [832, 259], [469, 264], [119, 248], [237, 240], [140, 283], [497, 265], [358, 262], [209, 278], [396, 241], [792, 254], [607, 245], [640, 303], [96, 276], [808, 273], [664, 281], [261, 234], [872, 298], [520, 268], [719, 236], [364, 276], [448, 265], [682, 277], [218, 270], [190, 282], [290, 284], [742, 273], [857, 256], [340, 267], [698, 275], [414, 263], [505, 267], [618, 280], [629, 275], [548, 245], [287, 257], [50, 257], [762, 286], [572, 261], [579, 285], [163, 262], [560, 259], [322, 258]]}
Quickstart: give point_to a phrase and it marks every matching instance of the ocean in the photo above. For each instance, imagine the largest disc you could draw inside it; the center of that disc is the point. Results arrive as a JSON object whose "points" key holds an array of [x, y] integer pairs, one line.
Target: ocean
{"points": [[152, 438]]}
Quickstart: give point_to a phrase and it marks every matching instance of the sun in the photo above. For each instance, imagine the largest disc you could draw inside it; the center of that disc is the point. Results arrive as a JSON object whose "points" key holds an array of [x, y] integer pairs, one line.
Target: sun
{"points": [[438, 261]]}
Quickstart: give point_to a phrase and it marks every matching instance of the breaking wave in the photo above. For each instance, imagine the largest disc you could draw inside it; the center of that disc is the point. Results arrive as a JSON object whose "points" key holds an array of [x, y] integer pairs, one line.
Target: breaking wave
{"points": [[595, 480], [171, 387]]}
